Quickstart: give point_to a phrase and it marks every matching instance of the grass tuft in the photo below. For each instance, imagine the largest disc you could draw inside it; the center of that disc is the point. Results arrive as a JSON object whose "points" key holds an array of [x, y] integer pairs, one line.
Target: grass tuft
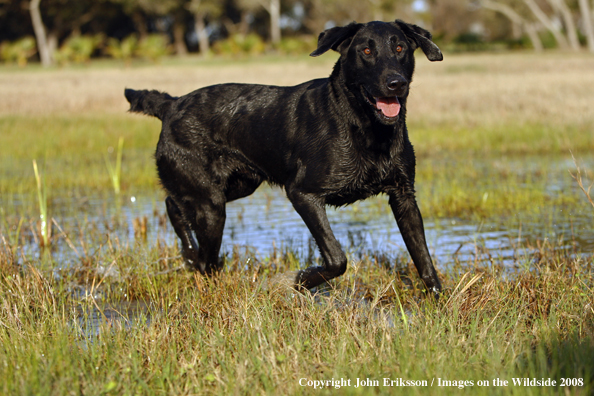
{"points": [[45, 225], [578, 178], [115, 172]]}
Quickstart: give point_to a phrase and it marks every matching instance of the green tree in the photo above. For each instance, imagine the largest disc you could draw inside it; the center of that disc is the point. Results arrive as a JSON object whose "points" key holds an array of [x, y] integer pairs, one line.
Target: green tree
{"points": [[138, 9], [40, 34], [273, 7], [202, 9], [519, 21], [54, 20], [340, 12], [533, 16]]}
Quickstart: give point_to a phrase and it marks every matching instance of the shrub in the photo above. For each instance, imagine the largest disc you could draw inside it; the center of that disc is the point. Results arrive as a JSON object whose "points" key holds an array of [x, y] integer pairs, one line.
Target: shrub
{"points": [[153, 47], [237, 44], [78, 49], [124, 49], [18, 51], [297, 45]]}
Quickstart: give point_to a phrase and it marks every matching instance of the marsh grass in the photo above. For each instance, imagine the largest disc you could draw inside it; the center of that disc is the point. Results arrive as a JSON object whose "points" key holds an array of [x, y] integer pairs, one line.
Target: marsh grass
{"points": [[73, 147], [115, 171], [235, 334], [482, 178], [464, 112], [45, 224], [577, 176]]}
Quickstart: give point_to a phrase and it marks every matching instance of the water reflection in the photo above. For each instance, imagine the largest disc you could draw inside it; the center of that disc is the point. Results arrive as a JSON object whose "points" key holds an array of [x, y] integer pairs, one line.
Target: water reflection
{"points": [[266, 221], [92, 319]]}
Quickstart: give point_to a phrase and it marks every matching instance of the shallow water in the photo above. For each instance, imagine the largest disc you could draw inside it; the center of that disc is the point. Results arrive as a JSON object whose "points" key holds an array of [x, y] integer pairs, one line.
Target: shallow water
{"points": [[266, 221], [126, 315]]}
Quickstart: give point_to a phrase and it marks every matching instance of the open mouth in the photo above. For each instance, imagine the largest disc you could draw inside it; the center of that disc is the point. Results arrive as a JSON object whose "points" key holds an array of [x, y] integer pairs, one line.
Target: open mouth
{"points": [[388, 107]]}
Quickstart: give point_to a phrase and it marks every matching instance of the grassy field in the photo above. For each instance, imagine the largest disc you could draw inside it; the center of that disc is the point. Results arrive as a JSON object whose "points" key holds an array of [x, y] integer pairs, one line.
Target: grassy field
{"points": [[493, 134], [231, 336], [466, 108]]}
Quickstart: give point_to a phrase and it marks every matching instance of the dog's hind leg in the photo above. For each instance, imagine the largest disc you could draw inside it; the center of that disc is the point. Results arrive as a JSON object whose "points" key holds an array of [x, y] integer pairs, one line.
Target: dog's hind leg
{"points": [[205, 219], [210, 223], [183, 231]]}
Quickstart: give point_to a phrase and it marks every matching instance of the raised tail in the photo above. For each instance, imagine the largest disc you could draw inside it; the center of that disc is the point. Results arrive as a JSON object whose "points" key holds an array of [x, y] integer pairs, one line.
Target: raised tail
{"points": [[153, 103]]}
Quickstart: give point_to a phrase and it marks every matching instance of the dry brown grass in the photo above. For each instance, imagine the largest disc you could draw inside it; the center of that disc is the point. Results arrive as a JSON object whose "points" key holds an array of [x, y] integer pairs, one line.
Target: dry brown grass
{"points": [[490, 89], [102, 89], [465, 90]]}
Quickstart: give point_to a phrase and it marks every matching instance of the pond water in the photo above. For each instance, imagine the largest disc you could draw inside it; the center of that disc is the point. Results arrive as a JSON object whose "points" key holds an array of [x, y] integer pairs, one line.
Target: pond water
{"points": [[266, 221]]}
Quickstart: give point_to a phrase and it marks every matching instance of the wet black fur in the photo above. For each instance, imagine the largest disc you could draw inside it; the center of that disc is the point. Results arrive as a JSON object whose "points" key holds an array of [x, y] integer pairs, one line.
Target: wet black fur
{"points": [[324, 141]]}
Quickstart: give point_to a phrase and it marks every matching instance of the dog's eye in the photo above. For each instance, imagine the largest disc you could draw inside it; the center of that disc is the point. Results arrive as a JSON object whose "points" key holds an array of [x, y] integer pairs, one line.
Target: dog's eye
{"points": [[399, 48], [367, 51]]}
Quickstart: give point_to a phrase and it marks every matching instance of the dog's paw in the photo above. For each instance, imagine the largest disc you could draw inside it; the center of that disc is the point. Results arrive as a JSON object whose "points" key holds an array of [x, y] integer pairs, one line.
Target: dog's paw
{"points": [[190, 264]]}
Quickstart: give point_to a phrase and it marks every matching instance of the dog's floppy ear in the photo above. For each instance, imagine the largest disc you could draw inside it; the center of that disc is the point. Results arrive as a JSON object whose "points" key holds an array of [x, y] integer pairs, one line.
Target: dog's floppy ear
{"points": [[331, 39], [421, 38]]}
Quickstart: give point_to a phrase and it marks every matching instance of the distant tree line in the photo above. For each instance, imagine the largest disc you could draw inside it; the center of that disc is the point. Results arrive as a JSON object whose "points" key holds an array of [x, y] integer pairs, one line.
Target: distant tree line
{"points": [[41, 28], [569, 22]]}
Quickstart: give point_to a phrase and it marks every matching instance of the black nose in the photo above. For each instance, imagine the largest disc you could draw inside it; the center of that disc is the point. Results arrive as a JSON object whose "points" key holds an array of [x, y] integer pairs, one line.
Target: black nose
{"points": [[396, 83]]}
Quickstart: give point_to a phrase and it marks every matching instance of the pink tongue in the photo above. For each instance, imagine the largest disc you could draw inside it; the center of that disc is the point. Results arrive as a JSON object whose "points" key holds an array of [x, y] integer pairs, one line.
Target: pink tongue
{"points": [[389, 106]]}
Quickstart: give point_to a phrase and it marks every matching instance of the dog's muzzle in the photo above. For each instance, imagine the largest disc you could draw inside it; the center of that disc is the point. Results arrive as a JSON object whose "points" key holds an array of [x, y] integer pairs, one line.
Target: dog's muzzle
{"points": [[387, 106]]}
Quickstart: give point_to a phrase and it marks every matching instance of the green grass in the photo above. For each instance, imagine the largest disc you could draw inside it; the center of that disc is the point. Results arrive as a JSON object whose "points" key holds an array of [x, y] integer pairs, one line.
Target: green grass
{"points": [[501, 139], [82, 135], [45, 225], [75, 148], [115, 171]]}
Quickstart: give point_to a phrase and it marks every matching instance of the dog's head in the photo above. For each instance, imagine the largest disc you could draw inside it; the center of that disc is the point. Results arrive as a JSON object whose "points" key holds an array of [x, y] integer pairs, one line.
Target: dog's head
{"points": [[377, 62]]}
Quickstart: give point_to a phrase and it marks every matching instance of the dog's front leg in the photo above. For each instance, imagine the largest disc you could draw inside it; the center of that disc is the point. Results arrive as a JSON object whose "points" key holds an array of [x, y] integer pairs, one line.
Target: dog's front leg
{"points": [[409, 220], [311, 209]]}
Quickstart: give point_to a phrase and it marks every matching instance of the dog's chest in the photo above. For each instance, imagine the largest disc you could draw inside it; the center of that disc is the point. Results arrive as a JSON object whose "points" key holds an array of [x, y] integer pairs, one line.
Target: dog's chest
{"points": [[359, 177]]}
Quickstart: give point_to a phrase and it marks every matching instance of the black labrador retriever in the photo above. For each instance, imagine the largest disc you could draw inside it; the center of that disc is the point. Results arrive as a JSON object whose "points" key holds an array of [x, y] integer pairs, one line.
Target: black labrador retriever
{"points": [[330, 141]]}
